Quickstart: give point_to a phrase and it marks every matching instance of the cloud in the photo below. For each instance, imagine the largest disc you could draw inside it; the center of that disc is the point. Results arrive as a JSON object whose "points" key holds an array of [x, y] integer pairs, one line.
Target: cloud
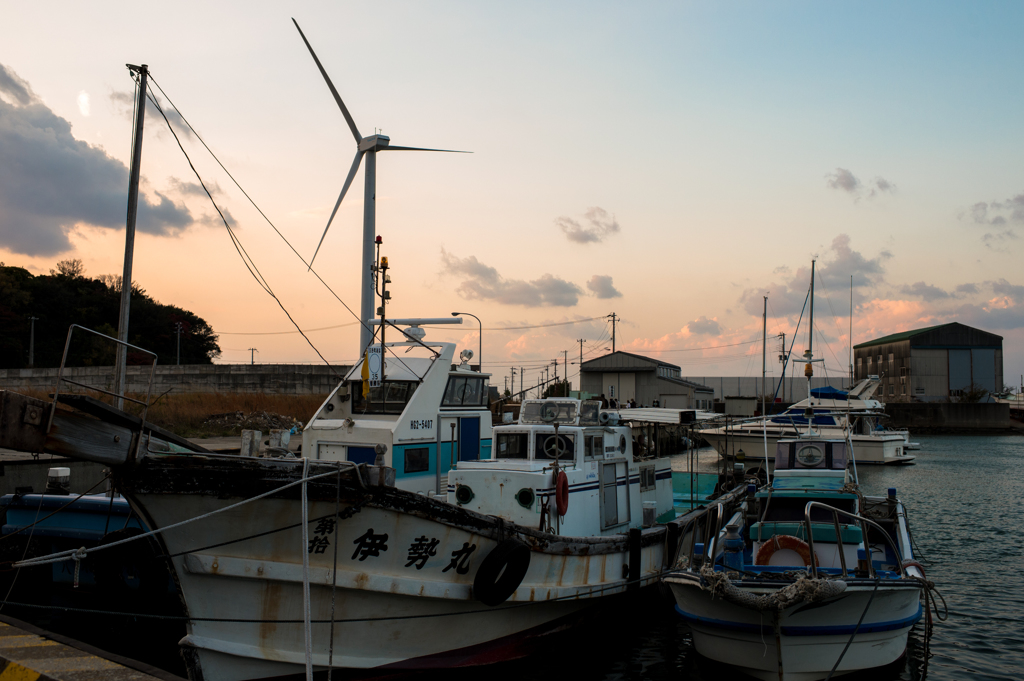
{"points": [[967, 289], [702, 326], [833, 272], [600, 226], [124, 103], [601, 286], [483, 282], [50, 182], [15, 88], [845, 181], [996, 212], [924, 291], [1013, 291]]}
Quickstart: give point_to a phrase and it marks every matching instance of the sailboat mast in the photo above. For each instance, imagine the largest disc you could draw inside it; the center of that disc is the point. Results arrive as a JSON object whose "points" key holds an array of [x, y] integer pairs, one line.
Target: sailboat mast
{"points": [[810, 323], [764, 353]]}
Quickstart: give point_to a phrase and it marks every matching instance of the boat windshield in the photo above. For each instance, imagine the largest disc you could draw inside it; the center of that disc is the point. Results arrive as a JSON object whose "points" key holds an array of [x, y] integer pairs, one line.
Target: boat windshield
{"points": [[388, 398], [549, 411], [465, 391]]}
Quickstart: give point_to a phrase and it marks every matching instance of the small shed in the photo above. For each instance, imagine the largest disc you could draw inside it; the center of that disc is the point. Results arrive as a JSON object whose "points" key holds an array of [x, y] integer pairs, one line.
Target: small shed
{"points": [[651, 382]]}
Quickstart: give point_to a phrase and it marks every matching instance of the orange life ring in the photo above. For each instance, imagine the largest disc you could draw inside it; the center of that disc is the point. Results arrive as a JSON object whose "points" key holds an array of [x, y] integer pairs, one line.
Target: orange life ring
{"points": [[783, 541], [562, 493]]}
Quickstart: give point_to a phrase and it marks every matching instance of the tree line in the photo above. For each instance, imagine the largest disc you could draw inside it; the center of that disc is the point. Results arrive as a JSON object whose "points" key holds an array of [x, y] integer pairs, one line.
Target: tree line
{"points": [[66, 296]]}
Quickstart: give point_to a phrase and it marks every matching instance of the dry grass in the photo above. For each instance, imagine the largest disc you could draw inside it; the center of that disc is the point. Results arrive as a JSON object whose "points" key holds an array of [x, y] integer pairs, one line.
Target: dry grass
{"points": [[186, 414]]}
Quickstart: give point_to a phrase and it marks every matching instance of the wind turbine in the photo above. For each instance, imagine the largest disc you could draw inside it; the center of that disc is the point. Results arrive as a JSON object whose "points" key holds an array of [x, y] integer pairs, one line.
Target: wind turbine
{"points": [[368, 147]]}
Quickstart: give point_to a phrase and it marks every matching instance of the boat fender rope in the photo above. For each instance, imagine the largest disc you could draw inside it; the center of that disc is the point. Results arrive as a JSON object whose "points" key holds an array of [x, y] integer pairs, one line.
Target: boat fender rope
{"points": [[501, 572], [802, 590], [562, 493]]}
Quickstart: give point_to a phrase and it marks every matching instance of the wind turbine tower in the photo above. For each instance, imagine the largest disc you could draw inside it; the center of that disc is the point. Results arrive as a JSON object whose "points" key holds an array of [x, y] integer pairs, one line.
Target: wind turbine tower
{"points": [[368, 147]]}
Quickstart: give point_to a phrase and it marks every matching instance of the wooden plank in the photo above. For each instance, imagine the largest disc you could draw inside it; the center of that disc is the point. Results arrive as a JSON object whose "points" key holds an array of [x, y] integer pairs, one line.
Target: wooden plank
{"points": [[110, 414]]}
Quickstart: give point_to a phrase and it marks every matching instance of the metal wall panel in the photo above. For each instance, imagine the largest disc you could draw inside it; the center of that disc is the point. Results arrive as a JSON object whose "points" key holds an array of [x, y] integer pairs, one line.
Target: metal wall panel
{"points": [[959, 369], [983, 368]]}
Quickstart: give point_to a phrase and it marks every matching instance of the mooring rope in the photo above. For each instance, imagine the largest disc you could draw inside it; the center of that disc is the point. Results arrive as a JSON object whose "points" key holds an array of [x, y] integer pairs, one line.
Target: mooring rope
{"points": [[61, 556]]}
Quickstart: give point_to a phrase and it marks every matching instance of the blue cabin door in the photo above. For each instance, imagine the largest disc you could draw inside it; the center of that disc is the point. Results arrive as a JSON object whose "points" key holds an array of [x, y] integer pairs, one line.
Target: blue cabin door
{"points": [[469, 438]]}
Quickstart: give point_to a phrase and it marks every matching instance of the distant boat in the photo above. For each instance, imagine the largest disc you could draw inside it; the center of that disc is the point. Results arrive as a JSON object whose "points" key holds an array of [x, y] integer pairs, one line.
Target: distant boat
{"points": [[834, 413]]}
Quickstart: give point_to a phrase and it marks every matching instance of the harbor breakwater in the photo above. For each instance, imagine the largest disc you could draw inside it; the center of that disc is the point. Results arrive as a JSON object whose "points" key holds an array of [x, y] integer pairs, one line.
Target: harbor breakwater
{"points": [[269, 379]]}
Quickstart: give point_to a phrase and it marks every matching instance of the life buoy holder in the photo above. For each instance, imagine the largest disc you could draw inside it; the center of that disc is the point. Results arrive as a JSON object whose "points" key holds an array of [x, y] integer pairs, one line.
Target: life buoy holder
{"points": [[562, 493], [783, 541], [501, 572]]}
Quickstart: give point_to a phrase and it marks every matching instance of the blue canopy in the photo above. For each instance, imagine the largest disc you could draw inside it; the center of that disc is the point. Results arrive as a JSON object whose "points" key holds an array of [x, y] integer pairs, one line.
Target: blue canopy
{"points": [[829, 393]]}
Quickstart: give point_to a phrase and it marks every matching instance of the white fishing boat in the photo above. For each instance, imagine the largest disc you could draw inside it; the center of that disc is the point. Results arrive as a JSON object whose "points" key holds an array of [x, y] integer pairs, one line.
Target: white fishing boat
{"points": [[288, 564], [832, 414], [754, 597]]}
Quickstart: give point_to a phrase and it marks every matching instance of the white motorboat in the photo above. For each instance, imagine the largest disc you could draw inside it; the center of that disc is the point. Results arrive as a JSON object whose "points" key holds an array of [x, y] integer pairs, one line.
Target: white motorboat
{"points": [[832, 414], [754, 598]]}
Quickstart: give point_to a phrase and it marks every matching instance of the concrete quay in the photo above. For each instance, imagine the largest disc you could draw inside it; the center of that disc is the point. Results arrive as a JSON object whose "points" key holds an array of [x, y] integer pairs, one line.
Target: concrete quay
{"points": [[28, 653]]}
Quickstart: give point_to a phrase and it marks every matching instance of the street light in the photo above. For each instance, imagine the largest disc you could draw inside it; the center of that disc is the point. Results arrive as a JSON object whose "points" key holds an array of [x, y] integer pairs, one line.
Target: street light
{"points": [[480, 355]]}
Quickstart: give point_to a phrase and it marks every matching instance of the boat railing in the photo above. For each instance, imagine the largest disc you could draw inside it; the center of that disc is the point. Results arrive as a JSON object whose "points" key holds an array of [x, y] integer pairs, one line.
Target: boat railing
{"points": [[61, 378], [699, 522], [864, 523]]}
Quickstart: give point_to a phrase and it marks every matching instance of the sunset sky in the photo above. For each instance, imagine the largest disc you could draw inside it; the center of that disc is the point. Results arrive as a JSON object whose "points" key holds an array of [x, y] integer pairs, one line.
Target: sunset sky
{"points": [[669, 162]]}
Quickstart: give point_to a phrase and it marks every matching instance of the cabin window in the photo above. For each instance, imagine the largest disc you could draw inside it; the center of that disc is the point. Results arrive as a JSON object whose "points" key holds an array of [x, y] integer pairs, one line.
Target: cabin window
{"points": [[647, 478], [593, 446], [547, 447], [389, 398], [465, 391], [417, 460], [589, 413], [512, 446]]}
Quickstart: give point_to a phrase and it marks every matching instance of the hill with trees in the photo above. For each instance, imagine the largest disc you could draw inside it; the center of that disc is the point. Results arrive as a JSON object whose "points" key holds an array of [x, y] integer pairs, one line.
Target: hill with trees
{"points": [[66, 296]]}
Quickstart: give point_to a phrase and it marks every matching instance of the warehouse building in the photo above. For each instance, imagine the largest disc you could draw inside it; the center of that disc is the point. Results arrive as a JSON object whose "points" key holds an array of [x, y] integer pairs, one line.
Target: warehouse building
{"points": [[652, 383], [949, 362]]}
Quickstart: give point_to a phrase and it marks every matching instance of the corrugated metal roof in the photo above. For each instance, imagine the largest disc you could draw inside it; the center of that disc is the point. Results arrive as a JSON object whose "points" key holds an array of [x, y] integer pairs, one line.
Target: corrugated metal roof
{"points": [[897, 337]]}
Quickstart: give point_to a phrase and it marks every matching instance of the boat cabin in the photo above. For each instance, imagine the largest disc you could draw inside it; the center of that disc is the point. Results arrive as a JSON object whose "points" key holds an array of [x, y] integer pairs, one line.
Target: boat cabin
{"points": [[606, 487], [425, 415]]}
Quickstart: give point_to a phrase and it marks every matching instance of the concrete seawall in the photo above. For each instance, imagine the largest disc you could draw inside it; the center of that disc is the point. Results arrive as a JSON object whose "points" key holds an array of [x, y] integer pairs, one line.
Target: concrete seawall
{"points": [[949, 416], [271, 379]]}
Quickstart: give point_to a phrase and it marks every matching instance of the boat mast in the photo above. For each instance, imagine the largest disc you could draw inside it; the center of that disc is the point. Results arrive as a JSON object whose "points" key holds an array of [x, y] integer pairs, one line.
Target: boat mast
{"points": [[809, 356], [121, 358]]}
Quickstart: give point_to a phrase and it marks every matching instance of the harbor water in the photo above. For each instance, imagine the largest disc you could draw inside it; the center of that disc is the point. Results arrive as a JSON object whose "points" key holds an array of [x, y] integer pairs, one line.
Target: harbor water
{"points": [[963, 498]]}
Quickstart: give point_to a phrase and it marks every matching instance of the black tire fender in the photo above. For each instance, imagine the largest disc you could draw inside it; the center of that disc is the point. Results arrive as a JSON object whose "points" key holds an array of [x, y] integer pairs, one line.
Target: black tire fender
{"points": [[501, 572]]}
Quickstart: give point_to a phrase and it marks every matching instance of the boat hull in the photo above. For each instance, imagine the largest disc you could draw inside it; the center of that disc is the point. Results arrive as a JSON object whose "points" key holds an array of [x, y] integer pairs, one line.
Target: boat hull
{"points": [[887, 449], [403, 591], [810, 636]]}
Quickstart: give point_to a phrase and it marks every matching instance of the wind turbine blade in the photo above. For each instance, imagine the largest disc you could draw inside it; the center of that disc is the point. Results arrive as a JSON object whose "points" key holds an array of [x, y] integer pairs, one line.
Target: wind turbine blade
{"points": [[344, 190], [337, 97], [447, 151]]}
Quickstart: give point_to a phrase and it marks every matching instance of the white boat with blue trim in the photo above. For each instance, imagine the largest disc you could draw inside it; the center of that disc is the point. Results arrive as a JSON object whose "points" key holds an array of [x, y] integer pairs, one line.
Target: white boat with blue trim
{"points": [[754, 597], [841, 414]]}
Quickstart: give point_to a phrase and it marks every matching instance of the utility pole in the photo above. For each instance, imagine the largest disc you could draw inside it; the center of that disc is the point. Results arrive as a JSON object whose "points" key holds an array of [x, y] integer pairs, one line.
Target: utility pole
{"points": [[32, 342], [581, 341], [252, 355], [565, 367], [613, 318], [764, 354], [121, 358], [513, 381], [177, 329], [521, 376]]}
